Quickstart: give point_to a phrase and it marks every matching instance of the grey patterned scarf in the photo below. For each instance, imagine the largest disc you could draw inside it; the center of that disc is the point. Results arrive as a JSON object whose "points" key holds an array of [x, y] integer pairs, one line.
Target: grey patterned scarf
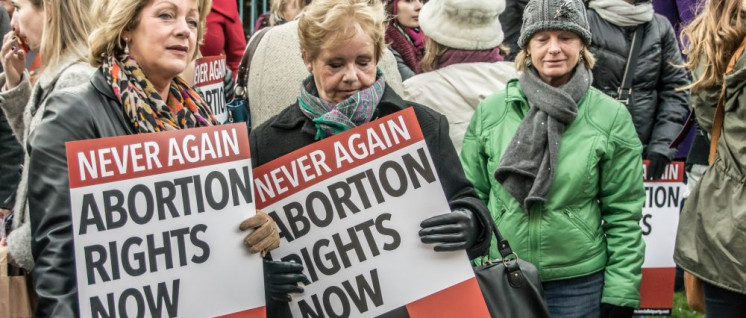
{"points": [[526, 169]]}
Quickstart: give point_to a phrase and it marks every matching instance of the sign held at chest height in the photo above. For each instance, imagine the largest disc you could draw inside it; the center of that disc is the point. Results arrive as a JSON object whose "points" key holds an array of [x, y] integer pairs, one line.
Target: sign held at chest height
{"points": [[349, 207], [155, 222]]}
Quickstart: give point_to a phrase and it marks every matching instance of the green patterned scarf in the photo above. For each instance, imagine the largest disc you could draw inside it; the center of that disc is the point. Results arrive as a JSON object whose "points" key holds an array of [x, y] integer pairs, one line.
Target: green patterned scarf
{"points": [[331, 119]]}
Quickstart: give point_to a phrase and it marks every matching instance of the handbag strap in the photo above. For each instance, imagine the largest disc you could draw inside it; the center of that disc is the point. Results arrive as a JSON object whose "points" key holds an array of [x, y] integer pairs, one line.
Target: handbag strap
{"points": [[625, 89], [717, 125], [515, 276], [242, 78]]}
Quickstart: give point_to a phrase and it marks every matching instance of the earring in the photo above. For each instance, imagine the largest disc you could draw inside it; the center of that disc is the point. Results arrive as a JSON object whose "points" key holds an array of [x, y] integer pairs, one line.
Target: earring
{"points": [[528, 60], [580, 60], [126, 45]]}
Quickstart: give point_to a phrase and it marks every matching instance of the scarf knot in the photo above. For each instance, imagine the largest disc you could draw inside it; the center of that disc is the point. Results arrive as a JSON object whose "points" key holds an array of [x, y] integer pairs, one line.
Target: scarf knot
{"points": [[331, 119], [526, 169], [143, 105]]}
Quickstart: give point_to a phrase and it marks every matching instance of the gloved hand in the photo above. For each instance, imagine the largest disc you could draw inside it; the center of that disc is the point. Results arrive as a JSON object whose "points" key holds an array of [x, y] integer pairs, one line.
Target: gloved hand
{"points": [[657, 166], [265, 236], [457, 230], [229, 86], [282, 278], [613, 311]]}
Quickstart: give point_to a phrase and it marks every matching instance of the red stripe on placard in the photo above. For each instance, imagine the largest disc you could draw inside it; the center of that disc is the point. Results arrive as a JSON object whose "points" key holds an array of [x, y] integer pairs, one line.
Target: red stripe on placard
{"points": [[260, 312], [460, 300], [656, 288], [674, 172], [104, 160], [209, 70], [317, 162]]}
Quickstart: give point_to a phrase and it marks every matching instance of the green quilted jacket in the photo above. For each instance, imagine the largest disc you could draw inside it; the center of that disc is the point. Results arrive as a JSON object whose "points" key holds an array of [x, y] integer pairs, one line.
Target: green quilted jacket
{"points": [[590, 221]]}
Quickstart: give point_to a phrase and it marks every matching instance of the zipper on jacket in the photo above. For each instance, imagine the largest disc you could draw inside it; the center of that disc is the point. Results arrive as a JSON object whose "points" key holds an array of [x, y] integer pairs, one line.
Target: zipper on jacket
{"points": [[534, 233], [574, 219]]}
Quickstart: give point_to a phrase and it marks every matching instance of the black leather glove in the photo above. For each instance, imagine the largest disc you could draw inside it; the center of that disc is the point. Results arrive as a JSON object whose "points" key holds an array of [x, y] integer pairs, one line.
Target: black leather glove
{"points": [[282, 278], [457, 230], [613, 311], [657, 166], [229, 86]]}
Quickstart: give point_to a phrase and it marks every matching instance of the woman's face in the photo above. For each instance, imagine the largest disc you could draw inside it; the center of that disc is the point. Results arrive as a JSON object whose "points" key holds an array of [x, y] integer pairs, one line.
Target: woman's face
{"points": [[408, 13], [28, 22], [291, 10], [342, 71], [164, 40], [555, 54]]}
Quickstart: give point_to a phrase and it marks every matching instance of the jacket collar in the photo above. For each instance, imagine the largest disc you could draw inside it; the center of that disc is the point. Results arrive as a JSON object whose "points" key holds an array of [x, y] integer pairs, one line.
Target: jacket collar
{"points": [[49, 77], [99, 82], [292, 117]]}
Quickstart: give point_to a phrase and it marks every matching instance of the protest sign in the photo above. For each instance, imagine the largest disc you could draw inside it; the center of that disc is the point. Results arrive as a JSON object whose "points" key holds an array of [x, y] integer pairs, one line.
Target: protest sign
{"points": [[155, 225], [660, 218], [349, 207], [209, 73]]}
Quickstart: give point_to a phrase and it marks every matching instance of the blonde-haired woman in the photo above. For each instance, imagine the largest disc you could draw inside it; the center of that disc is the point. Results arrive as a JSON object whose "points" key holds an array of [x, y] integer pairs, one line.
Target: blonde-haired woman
{"points": [[56, 30], [712, 230], [342, 42], [140, 49], [280, 12], [559, 164]]}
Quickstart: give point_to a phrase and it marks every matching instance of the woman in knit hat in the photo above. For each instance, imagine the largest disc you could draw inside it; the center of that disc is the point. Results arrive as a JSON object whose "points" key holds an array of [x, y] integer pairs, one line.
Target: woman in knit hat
{"points": [[403, 33], [559, 165], [462, 64], [657, 107]]}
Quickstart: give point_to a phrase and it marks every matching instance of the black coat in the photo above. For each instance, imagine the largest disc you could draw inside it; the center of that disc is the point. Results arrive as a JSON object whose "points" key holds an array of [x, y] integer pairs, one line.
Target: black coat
{"points": [[83, 112], [658, 110], [511, 20], [291, 130], [11, 158]]}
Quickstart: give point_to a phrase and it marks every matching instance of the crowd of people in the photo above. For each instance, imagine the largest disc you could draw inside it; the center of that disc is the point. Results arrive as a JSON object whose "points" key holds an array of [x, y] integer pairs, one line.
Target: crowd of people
{"points": [[537, 115]]}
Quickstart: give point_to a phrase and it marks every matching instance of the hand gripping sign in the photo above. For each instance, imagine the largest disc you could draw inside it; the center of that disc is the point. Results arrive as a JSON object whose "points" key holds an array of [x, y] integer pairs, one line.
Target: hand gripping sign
{"points": [[349, 207], [660, 217], [155, 221], [209, 75]]}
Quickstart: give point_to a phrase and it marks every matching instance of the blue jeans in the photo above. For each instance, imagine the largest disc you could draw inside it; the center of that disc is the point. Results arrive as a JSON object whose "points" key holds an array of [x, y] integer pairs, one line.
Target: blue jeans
{"points": [[723, 303], [575, 297]]}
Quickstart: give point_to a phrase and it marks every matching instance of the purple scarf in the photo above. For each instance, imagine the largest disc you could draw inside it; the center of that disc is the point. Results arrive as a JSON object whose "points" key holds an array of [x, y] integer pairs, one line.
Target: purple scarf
{"points": [[455, 56], [417, 37]]}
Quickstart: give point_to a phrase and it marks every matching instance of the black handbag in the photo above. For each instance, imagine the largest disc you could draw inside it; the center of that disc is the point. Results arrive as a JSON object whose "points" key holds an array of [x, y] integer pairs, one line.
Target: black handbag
{"points": [[239, 109], [511, 286]]}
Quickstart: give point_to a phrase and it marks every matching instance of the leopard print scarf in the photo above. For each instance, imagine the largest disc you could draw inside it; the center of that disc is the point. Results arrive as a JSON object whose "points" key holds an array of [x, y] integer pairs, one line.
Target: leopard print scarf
{"points": [[144, 106]]}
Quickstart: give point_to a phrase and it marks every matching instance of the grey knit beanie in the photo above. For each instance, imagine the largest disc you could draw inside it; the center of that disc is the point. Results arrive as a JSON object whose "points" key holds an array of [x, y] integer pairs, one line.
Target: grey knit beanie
{"points": [[542, 15]]}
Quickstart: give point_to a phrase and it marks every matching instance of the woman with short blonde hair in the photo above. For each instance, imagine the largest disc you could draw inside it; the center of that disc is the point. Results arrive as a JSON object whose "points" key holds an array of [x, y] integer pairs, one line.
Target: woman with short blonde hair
{"points": [[122, 15], [57, 31], [140, 49], [342, 42]]}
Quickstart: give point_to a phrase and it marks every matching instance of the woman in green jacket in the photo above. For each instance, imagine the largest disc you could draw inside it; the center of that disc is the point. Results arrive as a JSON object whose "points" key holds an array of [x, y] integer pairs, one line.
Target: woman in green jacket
{"points": [[559, 165], [711, 238]]}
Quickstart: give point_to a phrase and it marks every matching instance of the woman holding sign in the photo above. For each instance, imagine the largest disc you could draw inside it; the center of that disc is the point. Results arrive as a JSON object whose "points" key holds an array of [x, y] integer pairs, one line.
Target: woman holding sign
{"points": [[559, 164], [341, 44], [140, 49]]}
